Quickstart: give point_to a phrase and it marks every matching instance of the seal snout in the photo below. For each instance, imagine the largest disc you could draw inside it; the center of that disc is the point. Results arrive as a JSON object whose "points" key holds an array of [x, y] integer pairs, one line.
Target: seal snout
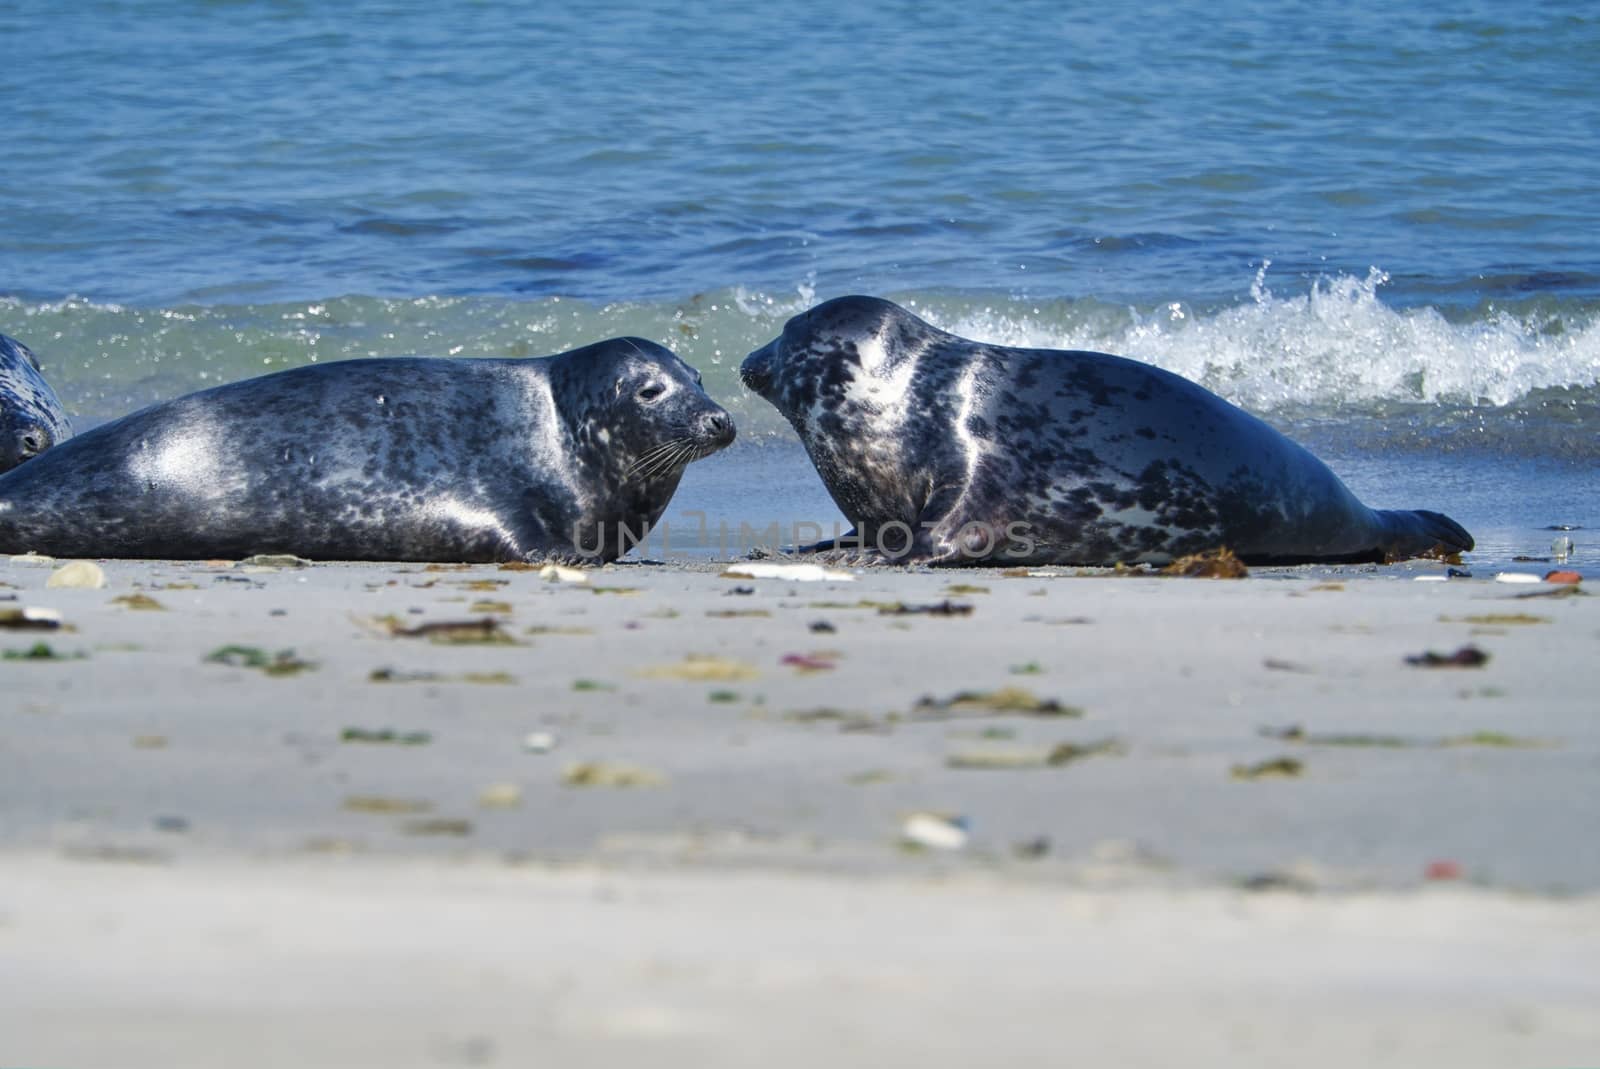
{"points": [[756, 371], [717, 429]]}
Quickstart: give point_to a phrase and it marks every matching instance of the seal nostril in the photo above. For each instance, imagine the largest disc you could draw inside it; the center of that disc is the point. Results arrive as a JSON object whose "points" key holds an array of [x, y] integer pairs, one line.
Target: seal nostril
{"points": [[718, 425]]}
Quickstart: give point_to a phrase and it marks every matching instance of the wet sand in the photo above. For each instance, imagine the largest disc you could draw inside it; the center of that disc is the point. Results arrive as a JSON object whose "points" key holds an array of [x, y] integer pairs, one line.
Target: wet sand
{"points": [[671, 814]]}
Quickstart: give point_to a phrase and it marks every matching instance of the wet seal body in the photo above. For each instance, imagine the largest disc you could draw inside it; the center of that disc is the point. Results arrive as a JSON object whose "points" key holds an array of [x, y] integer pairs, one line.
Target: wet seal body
{"points": [[950, 451], [568, 457], [31, 417]]}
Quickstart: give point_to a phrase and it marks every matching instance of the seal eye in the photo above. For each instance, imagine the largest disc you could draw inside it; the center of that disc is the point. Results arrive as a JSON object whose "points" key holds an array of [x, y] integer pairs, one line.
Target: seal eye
{"points": [[650, 392]]}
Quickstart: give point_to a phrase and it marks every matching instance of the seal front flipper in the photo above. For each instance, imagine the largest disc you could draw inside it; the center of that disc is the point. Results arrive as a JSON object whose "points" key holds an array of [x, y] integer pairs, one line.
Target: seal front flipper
{"points": [[947, 534], [851, 539], [1411, 533], [852, 550]]}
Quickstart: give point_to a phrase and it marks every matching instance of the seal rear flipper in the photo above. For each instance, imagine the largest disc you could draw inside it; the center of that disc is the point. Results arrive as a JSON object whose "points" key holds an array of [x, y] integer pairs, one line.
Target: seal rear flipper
{"points": [[1411, 533]]}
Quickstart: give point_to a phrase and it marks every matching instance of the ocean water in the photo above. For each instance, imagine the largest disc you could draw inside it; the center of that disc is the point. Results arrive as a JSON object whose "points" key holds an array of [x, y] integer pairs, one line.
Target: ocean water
{"points": [[1376, 225]]}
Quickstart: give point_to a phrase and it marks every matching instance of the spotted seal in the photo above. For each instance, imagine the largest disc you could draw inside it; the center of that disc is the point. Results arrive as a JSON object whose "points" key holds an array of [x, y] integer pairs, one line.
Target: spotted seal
{"points": [[568, 457], [31, 417], [956, 452]]}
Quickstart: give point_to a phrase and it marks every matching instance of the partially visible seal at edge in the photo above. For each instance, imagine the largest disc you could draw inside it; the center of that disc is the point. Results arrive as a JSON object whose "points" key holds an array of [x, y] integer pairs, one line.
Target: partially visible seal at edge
{"points": [[31, 417]]}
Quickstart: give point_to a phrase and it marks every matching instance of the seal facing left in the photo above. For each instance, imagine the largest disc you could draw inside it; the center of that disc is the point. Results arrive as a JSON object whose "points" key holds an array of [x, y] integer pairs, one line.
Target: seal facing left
{"points": [[566, 458], [31, 417], [950, 451]]}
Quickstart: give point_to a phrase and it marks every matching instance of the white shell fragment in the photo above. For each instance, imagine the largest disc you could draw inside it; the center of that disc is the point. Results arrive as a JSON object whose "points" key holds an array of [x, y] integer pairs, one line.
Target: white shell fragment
{"points": [[798, 573], [1517, 577], [538, 742], [557, 573], [271, 562], [934, 831], [79, 575]]}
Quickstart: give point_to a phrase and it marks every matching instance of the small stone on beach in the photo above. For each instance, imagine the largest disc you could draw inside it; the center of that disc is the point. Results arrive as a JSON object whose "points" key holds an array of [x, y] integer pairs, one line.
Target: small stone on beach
{"points": [[79, 575]]}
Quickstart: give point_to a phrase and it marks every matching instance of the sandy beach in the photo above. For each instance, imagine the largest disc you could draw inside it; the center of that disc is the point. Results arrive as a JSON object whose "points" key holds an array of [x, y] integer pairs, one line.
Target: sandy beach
{"points": [[330, 815]]}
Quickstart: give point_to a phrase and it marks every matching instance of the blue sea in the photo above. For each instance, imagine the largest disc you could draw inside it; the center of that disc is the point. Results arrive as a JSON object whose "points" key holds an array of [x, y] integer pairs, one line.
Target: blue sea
{"points": [[1377, 225]]}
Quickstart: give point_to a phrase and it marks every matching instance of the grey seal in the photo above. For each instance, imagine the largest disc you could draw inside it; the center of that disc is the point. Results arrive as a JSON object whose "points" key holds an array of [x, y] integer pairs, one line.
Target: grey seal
{"points": [[567, 458], [950, 451], [31, 417]]}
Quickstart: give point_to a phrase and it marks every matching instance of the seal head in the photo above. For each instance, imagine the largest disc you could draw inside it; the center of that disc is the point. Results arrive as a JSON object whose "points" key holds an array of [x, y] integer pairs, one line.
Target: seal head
{"points": [[845, 375], [636, 416], [31, 417]]}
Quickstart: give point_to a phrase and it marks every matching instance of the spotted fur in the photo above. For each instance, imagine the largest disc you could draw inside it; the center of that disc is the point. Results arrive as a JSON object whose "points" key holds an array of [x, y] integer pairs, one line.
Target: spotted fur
{"points": [[994, 455], [569, 457]]}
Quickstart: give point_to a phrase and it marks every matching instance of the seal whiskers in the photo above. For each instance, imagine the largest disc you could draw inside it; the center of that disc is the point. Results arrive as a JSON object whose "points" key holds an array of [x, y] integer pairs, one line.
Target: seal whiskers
{"points": [[662, 459]]}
